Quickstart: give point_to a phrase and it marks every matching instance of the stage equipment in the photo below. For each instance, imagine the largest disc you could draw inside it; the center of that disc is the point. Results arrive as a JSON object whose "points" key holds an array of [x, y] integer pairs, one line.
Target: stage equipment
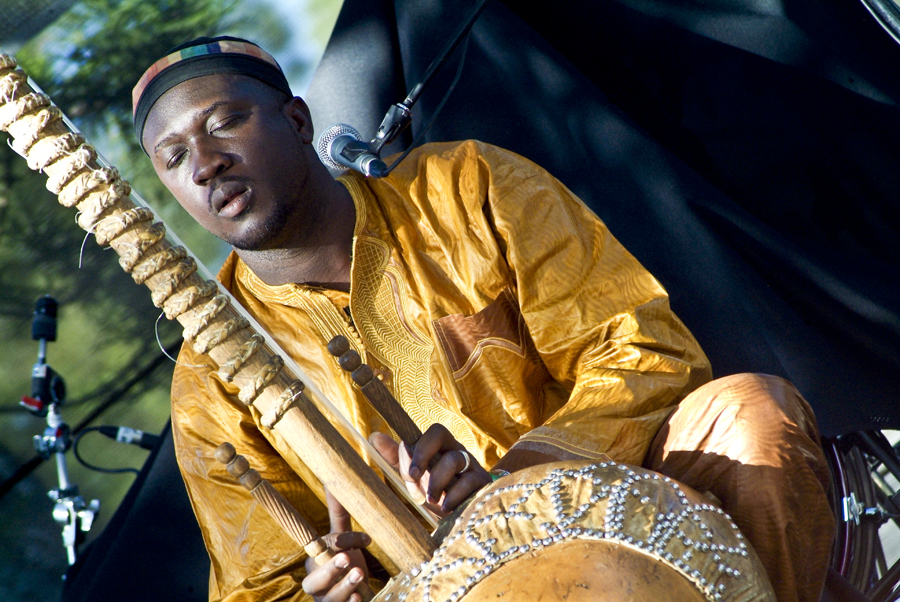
{"points": [[48, 394], [342, 147]]}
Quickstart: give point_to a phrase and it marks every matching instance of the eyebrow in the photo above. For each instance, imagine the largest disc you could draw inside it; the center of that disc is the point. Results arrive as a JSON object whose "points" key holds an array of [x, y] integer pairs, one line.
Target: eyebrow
{"points": [[208, 110]]}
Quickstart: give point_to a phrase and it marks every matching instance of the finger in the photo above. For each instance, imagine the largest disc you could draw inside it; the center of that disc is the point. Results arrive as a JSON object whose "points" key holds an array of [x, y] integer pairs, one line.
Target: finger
{"points": [[415, 488], [386, 447], [405, 454], [337, 515], [444, 472], [348, 540], [346, 587], [459, 491], [323, 579], [436, 439]]}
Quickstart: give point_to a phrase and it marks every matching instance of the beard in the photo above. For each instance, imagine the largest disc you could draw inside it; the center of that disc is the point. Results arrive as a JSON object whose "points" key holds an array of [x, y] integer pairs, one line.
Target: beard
{"points": [[263, 235]]}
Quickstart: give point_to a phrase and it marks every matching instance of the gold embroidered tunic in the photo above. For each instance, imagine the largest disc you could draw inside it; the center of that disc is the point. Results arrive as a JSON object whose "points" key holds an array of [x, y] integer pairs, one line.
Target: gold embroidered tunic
{"points": [[488, 298]]}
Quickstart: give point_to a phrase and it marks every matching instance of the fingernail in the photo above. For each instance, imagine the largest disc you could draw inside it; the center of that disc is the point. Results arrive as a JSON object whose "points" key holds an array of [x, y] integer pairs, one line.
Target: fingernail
{"points": [[414, 472], [341, 561], [355, 576], [366, 539]]}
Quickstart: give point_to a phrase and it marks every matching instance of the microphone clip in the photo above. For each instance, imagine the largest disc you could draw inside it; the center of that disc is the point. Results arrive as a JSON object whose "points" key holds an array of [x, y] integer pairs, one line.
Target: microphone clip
{"points": [[395, 121]]}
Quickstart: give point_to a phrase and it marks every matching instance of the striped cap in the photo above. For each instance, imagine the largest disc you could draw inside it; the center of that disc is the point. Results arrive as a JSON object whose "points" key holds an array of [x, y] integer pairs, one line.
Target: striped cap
{"points": [[203, 56]]}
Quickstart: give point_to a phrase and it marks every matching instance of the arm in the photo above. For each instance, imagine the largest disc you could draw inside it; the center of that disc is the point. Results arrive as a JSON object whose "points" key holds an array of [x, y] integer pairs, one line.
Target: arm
{"points": [[600, 322], [569, 349], [251, 557]]}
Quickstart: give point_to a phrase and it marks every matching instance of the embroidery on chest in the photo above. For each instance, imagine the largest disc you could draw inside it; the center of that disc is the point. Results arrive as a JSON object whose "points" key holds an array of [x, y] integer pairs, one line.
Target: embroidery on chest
{"points": [[384, 313]]}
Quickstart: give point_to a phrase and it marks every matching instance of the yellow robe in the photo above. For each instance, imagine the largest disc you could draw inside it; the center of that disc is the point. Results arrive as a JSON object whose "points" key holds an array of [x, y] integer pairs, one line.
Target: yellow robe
{"points": [[490, 299]]}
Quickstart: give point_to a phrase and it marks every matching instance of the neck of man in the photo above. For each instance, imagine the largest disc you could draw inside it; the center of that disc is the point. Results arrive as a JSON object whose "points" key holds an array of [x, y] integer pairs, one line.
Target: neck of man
{"points": [[317, 249]]}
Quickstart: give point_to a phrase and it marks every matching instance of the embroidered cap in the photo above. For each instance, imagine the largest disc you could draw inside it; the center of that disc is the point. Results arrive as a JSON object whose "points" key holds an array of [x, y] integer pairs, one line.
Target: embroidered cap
{"points": [[199, 57]]}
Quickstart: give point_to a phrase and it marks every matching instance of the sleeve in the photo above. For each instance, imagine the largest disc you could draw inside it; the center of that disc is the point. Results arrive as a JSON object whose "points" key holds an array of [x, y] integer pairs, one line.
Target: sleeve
{"points": [[252, 558], [600, 322]]}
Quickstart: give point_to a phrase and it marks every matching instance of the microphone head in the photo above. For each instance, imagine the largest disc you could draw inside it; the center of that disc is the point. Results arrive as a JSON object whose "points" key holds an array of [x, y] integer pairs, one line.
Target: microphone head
{"points": [[323, 146]]}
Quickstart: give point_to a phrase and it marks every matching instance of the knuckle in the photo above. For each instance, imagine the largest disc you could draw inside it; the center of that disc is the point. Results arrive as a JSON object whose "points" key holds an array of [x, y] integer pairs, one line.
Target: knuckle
{"points": [[437, 429], [344, 541]]}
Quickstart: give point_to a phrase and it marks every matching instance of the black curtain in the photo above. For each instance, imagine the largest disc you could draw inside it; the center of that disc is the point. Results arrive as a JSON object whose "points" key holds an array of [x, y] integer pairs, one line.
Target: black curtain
{"points": [[151, 549]]}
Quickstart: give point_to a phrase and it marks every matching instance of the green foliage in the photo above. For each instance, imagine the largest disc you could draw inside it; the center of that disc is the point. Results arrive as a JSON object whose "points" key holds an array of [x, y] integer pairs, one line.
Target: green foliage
{"points": [[106, 322], [321, 15], [107, 46], [88, 62]]}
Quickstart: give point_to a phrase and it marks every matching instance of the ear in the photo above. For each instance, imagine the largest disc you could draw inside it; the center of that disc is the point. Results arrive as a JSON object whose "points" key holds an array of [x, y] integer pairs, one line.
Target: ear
{"points": [[298, 113]]}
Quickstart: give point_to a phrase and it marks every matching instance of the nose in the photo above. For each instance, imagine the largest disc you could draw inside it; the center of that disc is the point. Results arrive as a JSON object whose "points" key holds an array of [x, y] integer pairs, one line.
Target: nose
{"points": [[209, 162]]}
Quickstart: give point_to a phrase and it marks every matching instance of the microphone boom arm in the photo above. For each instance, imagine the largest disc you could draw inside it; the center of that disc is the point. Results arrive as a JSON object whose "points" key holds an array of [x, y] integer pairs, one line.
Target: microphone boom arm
{"points": [[399, 116]]}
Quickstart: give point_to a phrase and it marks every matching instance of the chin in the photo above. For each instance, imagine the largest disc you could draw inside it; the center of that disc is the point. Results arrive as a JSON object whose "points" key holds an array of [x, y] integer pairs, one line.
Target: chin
{"points": [[264, 235], [255, 240], [260, 236], [249, 244]]}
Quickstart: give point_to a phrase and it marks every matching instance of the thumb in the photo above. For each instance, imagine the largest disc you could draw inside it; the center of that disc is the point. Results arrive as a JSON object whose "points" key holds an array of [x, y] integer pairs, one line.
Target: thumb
{"points": [[387, 447], [337, 514]]}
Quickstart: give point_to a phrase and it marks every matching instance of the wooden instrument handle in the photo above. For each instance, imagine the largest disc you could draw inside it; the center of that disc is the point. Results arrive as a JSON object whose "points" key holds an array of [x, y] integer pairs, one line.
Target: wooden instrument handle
{"points": [[286, 515], [375, 391]]}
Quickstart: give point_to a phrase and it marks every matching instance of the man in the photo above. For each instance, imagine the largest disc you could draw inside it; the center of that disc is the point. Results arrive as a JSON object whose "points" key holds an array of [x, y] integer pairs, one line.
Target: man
{"points": [[499, 310]]}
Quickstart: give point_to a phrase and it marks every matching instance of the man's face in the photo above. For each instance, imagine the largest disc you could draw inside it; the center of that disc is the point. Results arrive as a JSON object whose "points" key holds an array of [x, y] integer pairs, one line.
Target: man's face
{"points": [[235, 156]]}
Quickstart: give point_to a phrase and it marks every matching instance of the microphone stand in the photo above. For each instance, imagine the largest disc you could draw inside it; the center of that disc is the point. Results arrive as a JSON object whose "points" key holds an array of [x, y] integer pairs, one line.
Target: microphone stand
{"points": [[341, 146], [399, 115], [48, 392]]}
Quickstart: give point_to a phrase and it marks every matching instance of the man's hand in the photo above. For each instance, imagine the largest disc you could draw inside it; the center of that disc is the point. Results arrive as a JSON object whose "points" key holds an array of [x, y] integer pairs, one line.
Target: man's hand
{"points": [[336, 580], [449, 482]]}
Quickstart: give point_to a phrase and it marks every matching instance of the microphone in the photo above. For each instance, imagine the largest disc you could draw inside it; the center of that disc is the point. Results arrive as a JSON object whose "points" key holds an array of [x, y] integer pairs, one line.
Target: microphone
{"points": [[341, 146]]}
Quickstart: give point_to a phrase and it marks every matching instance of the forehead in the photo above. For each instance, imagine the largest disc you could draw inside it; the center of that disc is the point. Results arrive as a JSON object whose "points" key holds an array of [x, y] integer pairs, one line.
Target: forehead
{"points": [[190, 100]]}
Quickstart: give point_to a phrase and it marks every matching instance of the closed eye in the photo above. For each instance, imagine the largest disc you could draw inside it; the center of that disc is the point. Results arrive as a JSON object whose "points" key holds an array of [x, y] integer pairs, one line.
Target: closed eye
{"points": [[227, 122], [176, 159]]}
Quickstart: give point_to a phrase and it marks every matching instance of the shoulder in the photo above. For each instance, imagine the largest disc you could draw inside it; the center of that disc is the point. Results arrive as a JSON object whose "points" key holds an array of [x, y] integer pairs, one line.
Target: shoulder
{"points": [[468, 173], [468, 158]]}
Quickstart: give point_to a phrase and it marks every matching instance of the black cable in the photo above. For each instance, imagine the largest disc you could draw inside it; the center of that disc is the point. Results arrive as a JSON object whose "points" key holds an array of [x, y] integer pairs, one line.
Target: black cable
{"points": [[87, 464], [117, 395], [437, 111], [444, 54]]}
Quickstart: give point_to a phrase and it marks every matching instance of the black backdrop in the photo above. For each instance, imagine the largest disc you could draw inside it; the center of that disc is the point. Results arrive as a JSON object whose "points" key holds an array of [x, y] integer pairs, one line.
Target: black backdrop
{"points": [[745, 151]]}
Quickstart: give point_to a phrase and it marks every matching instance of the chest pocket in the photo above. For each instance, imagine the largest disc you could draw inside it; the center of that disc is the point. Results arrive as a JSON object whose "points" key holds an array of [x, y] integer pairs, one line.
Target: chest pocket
{"points": [[505, 387]]}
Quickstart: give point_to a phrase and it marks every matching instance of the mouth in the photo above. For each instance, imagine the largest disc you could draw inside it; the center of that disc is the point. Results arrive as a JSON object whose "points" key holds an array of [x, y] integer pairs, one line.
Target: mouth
{"points": [[230, 199]]}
